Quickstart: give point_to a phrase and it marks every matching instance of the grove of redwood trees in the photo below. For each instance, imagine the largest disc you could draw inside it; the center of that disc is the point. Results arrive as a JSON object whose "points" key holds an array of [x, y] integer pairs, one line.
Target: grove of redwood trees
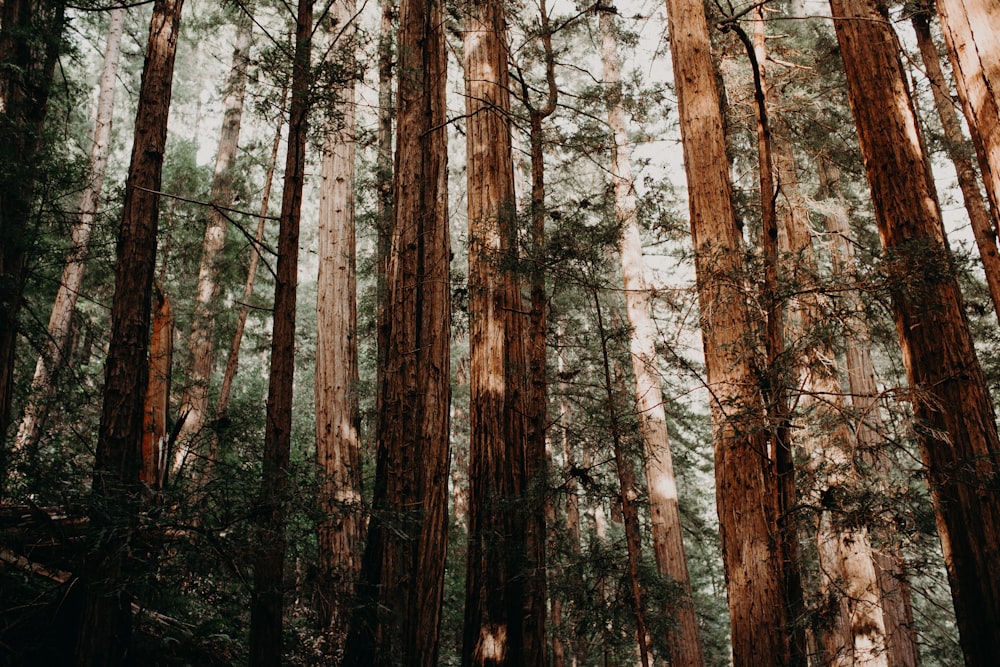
{"points": [[679, 354]]}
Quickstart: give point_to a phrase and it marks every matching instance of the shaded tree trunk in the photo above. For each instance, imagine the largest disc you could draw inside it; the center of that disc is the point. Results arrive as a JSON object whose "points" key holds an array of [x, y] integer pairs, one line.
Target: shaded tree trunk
{"points": [[267, 600], [201, 345], [105, 621], [402, 578], [745, 474], [953, 409], [53, 357], [665, 520], [153, 469], [338, 422]]}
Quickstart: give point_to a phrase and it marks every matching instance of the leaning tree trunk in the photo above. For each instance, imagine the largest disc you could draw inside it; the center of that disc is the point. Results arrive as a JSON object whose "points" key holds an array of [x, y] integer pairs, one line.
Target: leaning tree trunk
{"points": [[397, 617], [267, 600], [683, 641], [983, 226], [338, 422], [745, 475], [55, 351], [970, 29], [956, 424], [105, 621], [201, 345], [30, 38], [494, 632]]}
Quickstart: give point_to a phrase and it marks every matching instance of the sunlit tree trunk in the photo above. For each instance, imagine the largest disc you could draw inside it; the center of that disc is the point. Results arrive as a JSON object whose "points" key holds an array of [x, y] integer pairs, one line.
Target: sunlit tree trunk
{"points": [[152, 471], [30, 39], [668, 544], [402, 578], [953, 409], [105, 620], [983, 226], [970, 29], [494, 632], [201, 345], [54, 354], [267, 600], [745, 475]]}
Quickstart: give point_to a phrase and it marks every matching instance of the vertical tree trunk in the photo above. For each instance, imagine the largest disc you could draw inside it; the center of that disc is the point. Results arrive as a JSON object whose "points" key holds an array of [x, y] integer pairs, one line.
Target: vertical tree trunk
{"points": [[970, 29], [668, 544], [152, 471], [745, 475], [402, 578], [494, 631], [383, 174], [201, 345], [951, 404], [267, 601], [983, 226], [30, 37], [105, 623], [54, 354], [338, 437]]}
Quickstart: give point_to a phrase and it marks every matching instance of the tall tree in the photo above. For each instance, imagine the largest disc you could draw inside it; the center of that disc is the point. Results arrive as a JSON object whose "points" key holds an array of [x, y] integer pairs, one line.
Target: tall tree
{"points": [[668, 544], [60, 321], [267, 601], [30, 39], [746, 480], [955, 420], [338, 422], [494, 632], [402, 576], [105, 621], [201, 345]]}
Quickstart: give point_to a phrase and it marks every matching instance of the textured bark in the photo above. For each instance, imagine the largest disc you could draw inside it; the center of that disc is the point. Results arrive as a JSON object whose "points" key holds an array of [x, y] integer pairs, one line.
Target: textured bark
{"points": [[201, 345], [970, 29], [402, 578], [951, 404], [338, 421], [153, 470], [683, 641], [105, 622], [745, 475], [383, 174], [494, 632], [897, 611], [53, 357], [267, 600], [983, 226], [30, 36]]}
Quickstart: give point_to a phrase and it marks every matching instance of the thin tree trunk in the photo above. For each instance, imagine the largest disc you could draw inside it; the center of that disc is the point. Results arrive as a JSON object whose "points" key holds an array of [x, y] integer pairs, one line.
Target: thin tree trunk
{"points": [[152, 471], [267, 600], [745, 475], [30, 39], [983, 226], [53, 357], [383, 175], [402, 579], [668, 545], [970, 29], [494, 632], [201, 345], [105, 621], [952, 406], [338, 421]]}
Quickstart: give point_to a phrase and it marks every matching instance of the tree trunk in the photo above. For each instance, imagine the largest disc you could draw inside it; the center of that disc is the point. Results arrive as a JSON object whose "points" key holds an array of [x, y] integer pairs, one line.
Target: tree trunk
{"points": [[745, 475], [665, 520], [970, 29], [194, 405], [494, 632], [402, 578], [983, 226], [266, 604], [338, 422], [53, 357], [383, 176], [30, 38], [953, 409], [152, 471], [105, 622]]}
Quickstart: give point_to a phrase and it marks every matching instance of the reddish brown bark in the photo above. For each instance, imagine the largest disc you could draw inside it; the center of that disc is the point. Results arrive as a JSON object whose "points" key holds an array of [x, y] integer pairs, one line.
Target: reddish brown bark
{"points": [[152, 473]]}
